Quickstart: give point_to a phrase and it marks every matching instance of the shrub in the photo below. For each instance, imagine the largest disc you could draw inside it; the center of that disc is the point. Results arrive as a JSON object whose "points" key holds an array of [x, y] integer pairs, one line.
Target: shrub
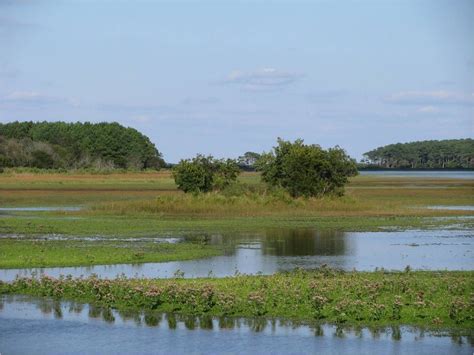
{"points": [[204, 174], [306, 170]]}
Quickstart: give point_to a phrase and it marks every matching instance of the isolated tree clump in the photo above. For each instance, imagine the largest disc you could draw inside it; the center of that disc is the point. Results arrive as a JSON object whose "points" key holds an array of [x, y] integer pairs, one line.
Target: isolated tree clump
{"points": [[306, 170], [248, 160], [204, 174]]}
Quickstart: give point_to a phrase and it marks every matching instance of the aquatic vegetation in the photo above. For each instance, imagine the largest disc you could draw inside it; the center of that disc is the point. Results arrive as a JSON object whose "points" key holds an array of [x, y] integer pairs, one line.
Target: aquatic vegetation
{"points": [[318, 305], [459, 310], [18, 253], [397, 307], [355, 298]]}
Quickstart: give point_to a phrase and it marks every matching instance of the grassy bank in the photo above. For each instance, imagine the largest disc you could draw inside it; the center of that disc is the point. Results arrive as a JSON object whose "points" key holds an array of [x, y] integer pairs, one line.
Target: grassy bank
{"points": [[41, 253], [428, 299], [133, 226]]}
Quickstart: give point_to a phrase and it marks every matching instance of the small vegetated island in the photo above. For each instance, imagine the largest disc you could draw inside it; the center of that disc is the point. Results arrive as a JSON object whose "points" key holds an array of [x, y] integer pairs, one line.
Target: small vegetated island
{"points": [[296, 184]]}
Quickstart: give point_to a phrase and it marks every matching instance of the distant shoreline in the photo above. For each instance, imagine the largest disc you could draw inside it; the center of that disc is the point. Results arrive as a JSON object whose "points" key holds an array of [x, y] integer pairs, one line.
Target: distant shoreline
{"points": [[414, 169]]}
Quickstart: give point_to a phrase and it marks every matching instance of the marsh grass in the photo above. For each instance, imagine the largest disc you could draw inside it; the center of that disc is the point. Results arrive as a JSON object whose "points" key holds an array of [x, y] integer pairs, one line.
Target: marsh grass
{"points": [[363, 193], [428, 299], [137, 181], [41, 253], [278, 203], [249, 204], [142, 203], [145, 225]]}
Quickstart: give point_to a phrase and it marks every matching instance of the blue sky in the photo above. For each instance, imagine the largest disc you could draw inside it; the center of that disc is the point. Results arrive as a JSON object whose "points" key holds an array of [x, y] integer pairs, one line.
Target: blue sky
{"points": [[226, 77]]}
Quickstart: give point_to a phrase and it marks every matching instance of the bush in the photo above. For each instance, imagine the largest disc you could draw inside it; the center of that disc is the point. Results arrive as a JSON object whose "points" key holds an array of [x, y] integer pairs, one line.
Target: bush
{"points": [[306, 170], [42, 160], [204, 174]]}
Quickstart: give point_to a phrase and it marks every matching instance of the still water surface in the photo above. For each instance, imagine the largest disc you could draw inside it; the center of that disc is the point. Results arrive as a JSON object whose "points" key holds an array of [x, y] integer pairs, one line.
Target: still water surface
{"points": [[43, 326], [432, 174], [285, 249], [41, 209]]}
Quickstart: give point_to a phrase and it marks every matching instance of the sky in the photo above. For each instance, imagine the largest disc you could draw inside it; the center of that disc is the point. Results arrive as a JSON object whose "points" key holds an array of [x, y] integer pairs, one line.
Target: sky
{"points": [[225, 77]]}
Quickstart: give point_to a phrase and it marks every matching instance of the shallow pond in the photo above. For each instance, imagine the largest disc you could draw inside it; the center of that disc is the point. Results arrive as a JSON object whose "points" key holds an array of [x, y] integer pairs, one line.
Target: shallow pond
{"points": [[435, 174], [43, 326], [284, 249]]}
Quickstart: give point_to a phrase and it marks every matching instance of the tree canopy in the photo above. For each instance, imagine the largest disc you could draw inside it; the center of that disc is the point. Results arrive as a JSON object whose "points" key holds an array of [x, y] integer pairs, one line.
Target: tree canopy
{"points": [[453, 153], [76, 145], [306, 170], [248, 160], [204, 174]]}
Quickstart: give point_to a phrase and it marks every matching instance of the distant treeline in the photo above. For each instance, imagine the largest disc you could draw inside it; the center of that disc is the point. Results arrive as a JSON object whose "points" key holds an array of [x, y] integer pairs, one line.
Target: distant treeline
{"points": [[56, 145], [453, 153]]}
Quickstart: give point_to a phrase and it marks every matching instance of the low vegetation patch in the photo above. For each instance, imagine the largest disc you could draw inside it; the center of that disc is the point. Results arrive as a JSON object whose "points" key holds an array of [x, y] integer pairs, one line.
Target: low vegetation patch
{"points": [[249, 204], [138, 226], [240, 201], [42, 253], [428, 299]]}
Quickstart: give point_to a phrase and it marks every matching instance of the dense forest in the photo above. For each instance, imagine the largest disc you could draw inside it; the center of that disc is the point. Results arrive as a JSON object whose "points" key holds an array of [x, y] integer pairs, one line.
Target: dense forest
{"points": [[454, 153], [76, 145]]}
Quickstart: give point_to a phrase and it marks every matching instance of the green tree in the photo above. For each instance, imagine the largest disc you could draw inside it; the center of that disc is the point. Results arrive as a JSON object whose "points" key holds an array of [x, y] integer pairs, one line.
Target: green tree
{"points": [[42, 160], [306, 170], [226, 173], [204, 174], [78, 145], [452, 153], [248, 160]]}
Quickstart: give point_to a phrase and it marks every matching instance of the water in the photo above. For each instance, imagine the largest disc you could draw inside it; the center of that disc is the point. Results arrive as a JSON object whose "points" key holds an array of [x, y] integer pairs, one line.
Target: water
{"points": [[94, 238], [435, 174], [452, 208], [40, 209], [43, 326], [284, 249]]}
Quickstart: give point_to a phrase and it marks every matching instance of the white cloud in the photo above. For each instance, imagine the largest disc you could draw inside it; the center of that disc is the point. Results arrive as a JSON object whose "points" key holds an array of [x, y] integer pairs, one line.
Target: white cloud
{"points": [[36, 99], [428, 109], [21, 95], [439, 97], [262, 79], [29, 97]]}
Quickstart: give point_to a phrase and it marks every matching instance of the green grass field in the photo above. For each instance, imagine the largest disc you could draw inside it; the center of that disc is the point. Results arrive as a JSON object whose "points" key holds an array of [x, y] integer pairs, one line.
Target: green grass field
{"points": [[38, 253]]}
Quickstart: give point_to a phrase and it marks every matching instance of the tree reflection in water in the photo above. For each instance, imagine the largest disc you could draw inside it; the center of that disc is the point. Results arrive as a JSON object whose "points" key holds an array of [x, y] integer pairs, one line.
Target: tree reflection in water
{"points": [[55, 309]]}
